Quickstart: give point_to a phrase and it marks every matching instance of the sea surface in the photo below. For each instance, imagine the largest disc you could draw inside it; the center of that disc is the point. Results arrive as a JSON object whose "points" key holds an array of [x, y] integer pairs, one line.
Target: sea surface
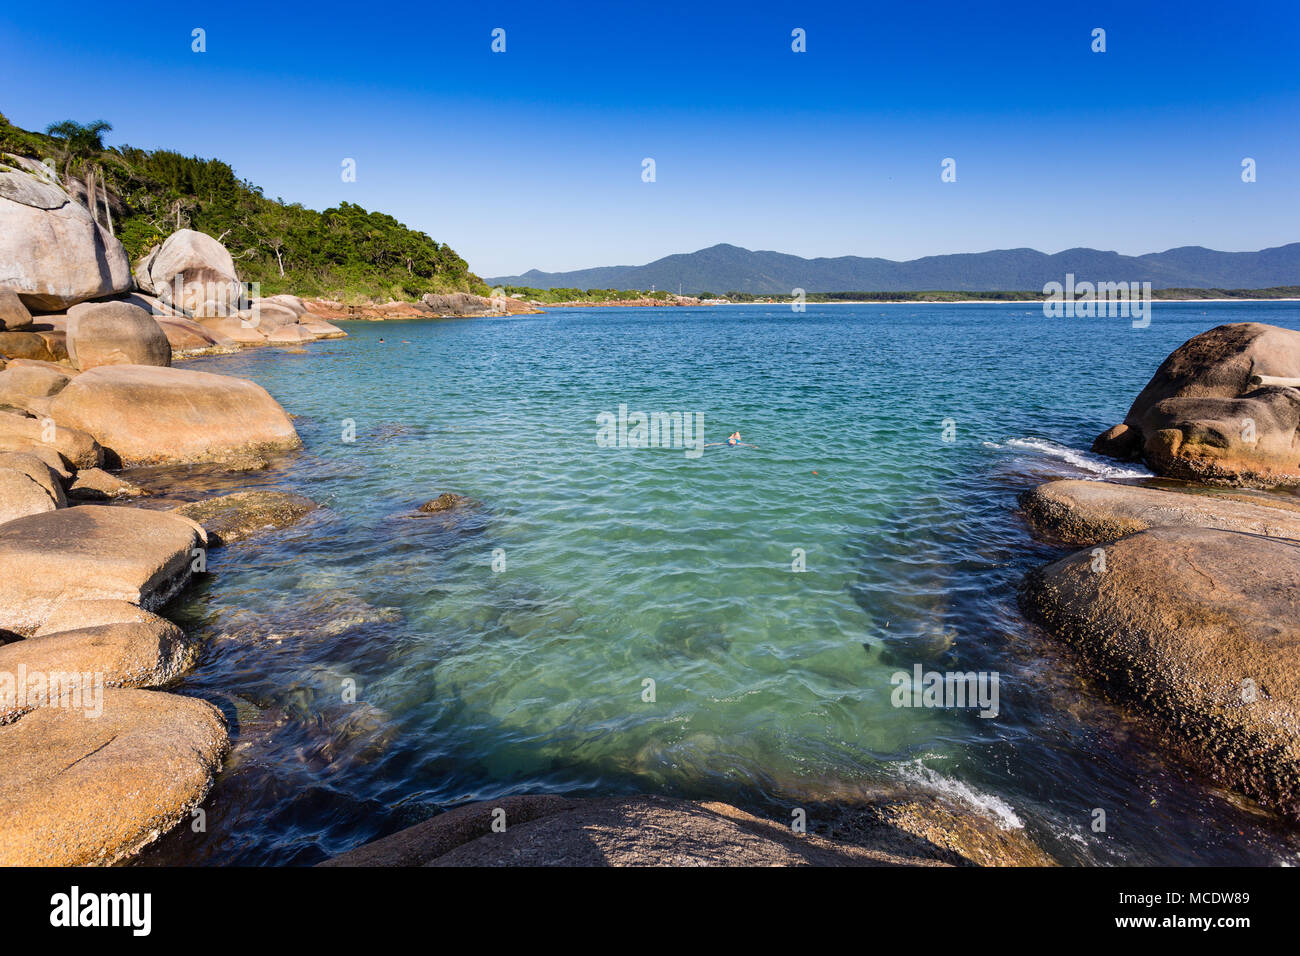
{"points": [[608, 620]]}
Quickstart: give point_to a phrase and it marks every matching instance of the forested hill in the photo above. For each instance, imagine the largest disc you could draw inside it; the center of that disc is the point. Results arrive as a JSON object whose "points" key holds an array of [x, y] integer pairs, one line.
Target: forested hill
{"points": [[344, 252]]}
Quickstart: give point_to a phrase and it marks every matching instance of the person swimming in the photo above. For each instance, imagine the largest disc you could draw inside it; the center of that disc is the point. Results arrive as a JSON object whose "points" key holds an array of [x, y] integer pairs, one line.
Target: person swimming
{"points": [[733, 439]]}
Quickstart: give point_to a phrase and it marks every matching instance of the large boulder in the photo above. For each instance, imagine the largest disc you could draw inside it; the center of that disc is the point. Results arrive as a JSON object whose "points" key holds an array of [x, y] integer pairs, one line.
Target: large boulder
{"points": [[189, 337], [13, 314], [268, 316], [1198, 630], [44, 437], [458, 304], [193, 271], [52, 252], [92, 552], [42, 346], [35, 671], [1218, 410], [79, 792], [21, 382], [1091, 512], [22, 495], [320, 328], [289, 335], [115, 333], [291, 302], [38, 471], [234, 329], [147, 415]]}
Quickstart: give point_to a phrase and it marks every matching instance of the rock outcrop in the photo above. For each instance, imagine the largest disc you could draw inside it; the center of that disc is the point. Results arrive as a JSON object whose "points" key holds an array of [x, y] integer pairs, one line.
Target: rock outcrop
{"points": [[144, 415], [115, 333], [1198, 630], [1093, 512], [52, 252], [42, 437], [1223, 408], [147, 653], [13, 314], [79, 792], [192, 271], [96, 552]]}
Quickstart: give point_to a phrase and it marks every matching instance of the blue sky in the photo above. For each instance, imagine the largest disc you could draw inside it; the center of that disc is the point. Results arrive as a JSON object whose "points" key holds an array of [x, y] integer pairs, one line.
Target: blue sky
{"points": [[532, 158]]}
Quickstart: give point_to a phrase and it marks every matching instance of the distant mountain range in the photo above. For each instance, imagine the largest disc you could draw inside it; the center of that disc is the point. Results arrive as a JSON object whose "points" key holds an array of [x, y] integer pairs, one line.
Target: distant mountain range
{"points": [[726, 268]]}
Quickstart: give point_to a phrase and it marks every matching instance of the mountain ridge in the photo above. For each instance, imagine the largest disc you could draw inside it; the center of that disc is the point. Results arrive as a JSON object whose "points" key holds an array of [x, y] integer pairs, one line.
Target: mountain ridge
{"points": [[728, 268]]}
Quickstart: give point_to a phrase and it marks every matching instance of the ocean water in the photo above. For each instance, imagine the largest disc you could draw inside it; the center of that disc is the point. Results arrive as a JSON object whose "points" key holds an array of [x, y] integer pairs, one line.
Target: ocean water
{"points": [[507, 648]]}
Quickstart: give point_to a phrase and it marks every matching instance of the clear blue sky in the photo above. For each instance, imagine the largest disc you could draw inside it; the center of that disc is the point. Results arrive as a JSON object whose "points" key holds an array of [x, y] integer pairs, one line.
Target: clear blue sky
{"points": [[532, 158]]}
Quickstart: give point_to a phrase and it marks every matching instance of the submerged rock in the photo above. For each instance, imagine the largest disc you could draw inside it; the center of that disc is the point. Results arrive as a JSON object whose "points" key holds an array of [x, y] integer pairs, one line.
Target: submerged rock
{"points": [[145, 415], [79, 792], [1199, 630], [447, 501], [1092, 512], [92, 551], [230, 518], [1219, 410]]}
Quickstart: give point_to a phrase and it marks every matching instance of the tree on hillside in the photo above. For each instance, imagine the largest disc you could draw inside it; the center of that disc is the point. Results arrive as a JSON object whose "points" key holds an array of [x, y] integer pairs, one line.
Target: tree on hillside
{"points": [[83, 143]]}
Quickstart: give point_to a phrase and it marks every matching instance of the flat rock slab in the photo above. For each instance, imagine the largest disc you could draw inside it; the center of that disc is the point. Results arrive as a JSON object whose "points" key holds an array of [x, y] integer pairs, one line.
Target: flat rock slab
{"points": [[1093, 512], [80, 790], [1199, 630], [92, 551], [626, 831], [144, 415], [38, 670], [233, 517]]}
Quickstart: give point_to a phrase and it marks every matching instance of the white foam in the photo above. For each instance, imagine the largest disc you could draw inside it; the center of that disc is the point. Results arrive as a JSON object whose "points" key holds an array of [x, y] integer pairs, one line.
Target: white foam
{"points": [[1093, 466], [989, 804]]}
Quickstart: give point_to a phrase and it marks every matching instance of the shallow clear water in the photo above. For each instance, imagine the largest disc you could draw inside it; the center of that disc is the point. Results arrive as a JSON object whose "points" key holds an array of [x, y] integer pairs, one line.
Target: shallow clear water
{"points": [[772, 687]]}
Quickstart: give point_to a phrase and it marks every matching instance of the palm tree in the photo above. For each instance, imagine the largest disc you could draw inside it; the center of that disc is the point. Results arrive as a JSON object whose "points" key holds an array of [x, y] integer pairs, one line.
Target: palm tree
{"points": [[81, 143]]}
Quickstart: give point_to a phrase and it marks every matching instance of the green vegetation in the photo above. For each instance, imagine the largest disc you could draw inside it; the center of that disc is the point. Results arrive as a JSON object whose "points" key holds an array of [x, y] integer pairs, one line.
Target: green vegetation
{"points": [[343, 253]]}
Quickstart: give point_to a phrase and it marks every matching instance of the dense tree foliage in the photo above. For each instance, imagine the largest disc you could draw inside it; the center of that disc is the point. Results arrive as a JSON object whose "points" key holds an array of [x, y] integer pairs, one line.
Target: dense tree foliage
{"points": [[344, 252]]}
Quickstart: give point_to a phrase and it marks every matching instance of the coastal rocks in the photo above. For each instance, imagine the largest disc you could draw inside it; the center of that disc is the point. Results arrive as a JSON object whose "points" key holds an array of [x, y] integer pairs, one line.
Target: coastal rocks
{"points": [[321, 329], [92, 551], [43, 436], [1223, 408], [115, 333], [289, 335], [291, 302], [231, 518], [459, 305], [145, 415], [191, 270], [40, 346], [269, 316], [23, 384], [54, 253], [38, 471], [626, 831], [92, 612], [187, 337], [13, 314], [1198, 630], [40, 670], [1092, 512], [234, 329], [79, 792], [21, 495], [95, 484]]}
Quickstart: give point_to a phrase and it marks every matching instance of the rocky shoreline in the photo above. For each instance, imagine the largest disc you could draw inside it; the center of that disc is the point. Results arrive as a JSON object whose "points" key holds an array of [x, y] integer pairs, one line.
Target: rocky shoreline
{"points": [[1184, 604]]}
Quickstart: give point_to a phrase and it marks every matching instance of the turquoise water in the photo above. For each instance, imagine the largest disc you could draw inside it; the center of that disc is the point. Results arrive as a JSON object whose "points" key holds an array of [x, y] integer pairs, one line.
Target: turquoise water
{"points": [[622, 565]]}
